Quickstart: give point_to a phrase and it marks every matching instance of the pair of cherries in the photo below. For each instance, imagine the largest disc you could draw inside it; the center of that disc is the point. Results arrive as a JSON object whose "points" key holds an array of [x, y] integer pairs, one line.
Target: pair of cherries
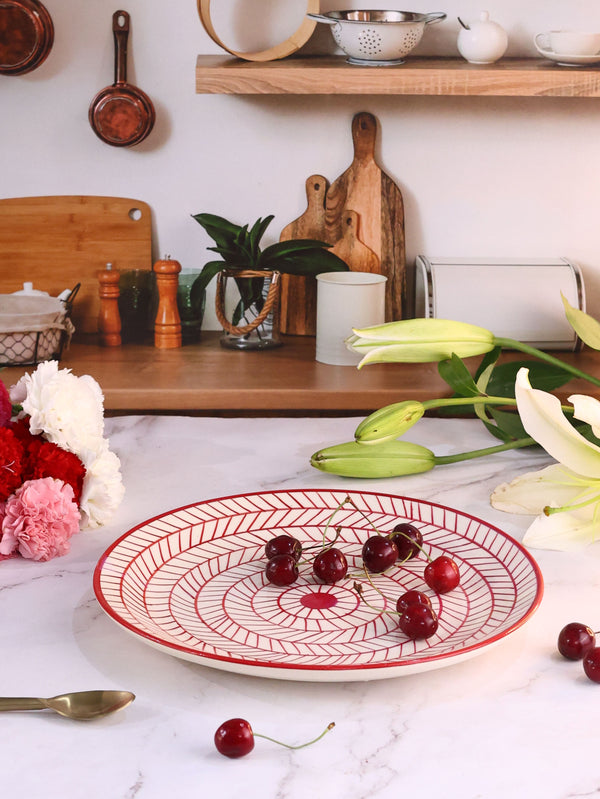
{"points": [[577, 641]]}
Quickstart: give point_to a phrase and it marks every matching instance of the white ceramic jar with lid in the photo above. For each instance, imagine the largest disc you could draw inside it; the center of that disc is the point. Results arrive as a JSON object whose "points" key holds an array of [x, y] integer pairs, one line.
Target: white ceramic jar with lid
{"points": [[482, 41]]}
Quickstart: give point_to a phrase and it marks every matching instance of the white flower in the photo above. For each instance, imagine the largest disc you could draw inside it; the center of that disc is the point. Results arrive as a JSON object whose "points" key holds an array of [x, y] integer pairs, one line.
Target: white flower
{"points": [[566, 495], [67, 410], [103, 487], [419, 341]]}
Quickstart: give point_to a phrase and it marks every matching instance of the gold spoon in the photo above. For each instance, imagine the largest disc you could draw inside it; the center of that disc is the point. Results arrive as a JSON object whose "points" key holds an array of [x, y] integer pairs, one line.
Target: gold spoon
{"points": [[79, 705]]}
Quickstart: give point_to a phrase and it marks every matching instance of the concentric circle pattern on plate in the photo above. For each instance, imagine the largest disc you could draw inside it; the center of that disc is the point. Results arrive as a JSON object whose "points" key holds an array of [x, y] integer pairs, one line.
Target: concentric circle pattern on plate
{"points": [[192, 582]]}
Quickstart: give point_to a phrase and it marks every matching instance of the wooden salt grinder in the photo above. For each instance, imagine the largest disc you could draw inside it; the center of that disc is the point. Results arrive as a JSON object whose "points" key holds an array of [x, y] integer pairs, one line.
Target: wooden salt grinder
{"points": [[109, 319], [167, 326]]}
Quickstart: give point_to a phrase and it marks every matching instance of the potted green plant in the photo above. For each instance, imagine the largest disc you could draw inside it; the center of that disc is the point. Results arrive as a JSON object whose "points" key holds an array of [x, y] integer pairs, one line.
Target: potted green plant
{"points": [[255, 271]]}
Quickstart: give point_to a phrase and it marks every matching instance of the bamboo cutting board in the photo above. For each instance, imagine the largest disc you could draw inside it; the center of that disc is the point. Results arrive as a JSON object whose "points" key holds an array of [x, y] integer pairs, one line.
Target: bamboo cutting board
{"points": [[365, 189], [57, 242]]}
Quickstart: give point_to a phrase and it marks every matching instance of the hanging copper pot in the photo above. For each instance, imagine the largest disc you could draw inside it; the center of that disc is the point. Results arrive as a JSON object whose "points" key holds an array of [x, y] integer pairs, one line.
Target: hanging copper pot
{"points": [[26, 36], [121, 114]]}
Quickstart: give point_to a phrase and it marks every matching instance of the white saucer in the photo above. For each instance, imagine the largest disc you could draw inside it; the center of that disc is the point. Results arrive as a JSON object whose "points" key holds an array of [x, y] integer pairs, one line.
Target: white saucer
{"points": [[566, 60]]}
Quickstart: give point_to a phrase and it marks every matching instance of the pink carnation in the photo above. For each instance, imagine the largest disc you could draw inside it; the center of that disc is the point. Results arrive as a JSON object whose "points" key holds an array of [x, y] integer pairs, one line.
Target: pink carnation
{"points": [[39, 519], [2, 506]]}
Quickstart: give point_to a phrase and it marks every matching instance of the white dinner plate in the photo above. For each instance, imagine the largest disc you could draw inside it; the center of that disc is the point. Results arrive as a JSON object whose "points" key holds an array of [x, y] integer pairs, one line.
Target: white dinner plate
{"points": [[191, 583]]}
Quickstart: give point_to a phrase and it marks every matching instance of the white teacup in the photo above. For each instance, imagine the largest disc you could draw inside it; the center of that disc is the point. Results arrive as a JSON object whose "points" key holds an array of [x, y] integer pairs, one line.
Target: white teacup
{"points": [[574, 42]]}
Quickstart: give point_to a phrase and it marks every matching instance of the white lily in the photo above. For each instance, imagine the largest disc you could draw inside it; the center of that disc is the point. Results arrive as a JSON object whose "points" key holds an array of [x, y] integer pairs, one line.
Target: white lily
{"points": [[566, 495]]}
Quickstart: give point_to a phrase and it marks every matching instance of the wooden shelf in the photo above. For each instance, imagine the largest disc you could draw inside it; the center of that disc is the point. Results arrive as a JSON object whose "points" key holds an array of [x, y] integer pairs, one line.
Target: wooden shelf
{"points": [[206, 379], [529, 77]]}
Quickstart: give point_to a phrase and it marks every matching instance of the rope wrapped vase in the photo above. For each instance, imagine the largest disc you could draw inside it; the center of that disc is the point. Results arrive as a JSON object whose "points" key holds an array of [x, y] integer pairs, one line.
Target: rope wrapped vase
{"points": [[261, 326]]}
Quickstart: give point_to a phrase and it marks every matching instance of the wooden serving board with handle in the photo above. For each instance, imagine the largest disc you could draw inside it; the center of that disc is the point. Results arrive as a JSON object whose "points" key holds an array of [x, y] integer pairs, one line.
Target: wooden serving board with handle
{"points": [[365, 189], [299, 293], [57, 242]]}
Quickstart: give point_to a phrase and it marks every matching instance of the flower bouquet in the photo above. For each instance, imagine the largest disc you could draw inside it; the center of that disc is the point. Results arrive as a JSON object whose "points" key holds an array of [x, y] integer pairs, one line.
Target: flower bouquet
{"points": [[512, 400], [57, 472]]}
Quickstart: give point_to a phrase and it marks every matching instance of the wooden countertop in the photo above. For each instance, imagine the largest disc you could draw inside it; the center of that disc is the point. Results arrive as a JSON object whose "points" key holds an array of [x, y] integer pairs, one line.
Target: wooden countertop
{"points": [[205, 378]]}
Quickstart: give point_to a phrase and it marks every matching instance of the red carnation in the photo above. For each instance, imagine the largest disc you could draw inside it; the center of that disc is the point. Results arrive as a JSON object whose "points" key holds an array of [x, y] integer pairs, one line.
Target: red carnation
{"points": [[20, 428], [5, 406], [11, 463], [46, 459]]}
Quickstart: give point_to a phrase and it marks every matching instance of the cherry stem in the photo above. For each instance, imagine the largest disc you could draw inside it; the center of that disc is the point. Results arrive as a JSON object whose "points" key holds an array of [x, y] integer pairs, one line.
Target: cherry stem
{"points": [[358, 588], [389, 535], [299, 746], [365, 517]]}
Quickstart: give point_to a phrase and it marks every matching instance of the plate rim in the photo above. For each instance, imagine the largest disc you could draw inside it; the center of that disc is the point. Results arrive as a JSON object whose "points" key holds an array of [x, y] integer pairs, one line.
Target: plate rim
{"points": [[211, 660]]}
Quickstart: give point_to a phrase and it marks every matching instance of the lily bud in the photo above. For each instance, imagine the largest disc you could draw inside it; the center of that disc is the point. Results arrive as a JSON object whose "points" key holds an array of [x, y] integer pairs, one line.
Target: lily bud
{"points": [[419, 341], [389, 423], [390, 459]]}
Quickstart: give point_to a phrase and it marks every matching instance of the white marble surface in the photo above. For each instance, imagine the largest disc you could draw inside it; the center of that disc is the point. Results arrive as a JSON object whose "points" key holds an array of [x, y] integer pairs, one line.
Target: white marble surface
{"points": [[516, 721]]}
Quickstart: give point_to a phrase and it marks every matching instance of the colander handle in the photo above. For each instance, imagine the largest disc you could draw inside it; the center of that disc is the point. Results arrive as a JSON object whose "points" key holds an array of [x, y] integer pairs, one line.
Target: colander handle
{"points": [[326, 20], [436, 16]]}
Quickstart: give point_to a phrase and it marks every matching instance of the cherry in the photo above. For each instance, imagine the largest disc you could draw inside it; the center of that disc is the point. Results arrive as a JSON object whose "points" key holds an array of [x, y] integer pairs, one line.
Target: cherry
{"points": [[408, 539], [574, 640], [442, 575], [412, 598], [379, 553], [330, 566], [281, 570], [283, 545], [591, 663], [234, 738], [418, 622]]}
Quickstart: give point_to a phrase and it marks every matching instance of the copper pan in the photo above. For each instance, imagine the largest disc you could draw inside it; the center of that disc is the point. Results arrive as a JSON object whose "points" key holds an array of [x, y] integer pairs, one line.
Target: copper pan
{"points": [[26, 36], [121, 114]]}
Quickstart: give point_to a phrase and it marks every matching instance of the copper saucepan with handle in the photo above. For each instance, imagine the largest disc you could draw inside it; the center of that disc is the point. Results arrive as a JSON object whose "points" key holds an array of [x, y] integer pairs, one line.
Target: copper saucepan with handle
{"points": [[121, 114], [26, 36]]}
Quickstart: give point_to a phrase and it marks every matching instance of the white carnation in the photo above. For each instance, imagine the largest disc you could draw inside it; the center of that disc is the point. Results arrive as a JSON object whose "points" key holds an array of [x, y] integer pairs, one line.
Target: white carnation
{"points": [[67, 410], [103, 487]]}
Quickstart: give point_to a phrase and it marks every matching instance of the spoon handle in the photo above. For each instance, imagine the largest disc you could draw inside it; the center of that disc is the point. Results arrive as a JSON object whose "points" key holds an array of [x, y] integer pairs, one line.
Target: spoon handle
{"points": [[21, 703]]}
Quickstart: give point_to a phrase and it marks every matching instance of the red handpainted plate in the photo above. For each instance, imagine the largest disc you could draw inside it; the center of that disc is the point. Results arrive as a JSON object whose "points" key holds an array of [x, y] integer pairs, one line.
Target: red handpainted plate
{"points": [[191, 583]]}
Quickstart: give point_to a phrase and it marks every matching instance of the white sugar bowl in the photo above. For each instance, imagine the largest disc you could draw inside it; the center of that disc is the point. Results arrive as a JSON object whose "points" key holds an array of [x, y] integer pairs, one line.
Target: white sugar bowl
{"points": [[482, 41]]}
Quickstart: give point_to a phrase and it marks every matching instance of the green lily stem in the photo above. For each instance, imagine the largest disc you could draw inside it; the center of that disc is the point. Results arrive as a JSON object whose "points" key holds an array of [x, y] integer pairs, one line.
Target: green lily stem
{"points": [[519, 443], [543, 356], [483, 399]]}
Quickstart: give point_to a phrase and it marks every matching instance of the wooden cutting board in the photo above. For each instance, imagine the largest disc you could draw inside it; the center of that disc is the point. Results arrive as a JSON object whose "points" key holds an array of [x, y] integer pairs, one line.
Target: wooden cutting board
{"points": [[298, 293], [57, 242], [365, 189], [351, 249]]}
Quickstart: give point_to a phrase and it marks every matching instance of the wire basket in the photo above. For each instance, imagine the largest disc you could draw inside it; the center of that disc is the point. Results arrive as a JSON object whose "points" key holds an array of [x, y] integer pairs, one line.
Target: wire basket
{"points": [[34, 329]]}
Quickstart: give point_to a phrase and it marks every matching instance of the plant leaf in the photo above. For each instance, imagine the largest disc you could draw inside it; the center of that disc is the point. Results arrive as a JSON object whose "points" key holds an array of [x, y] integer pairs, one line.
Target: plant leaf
{"points": [[543, 376], [282, 249], [509, 423], [209, 270], [586, 327], [221, 230], [458, 377], [489, 359], [256, 233], [308, 262], [484, 378]]}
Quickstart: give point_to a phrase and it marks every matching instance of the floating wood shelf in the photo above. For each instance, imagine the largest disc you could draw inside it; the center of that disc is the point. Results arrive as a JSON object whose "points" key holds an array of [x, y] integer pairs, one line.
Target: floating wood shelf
{"points": [[511, 77], [204, 378]]}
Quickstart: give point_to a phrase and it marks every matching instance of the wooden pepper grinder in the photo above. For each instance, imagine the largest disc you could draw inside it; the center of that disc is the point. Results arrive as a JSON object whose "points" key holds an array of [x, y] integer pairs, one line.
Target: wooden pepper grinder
{"points": [[167, 326], [109, 319]]}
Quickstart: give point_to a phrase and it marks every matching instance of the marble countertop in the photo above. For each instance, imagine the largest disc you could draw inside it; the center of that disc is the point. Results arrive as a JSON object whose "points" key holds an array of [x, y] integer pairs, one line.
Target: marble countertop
{"points": [[516, 721]]}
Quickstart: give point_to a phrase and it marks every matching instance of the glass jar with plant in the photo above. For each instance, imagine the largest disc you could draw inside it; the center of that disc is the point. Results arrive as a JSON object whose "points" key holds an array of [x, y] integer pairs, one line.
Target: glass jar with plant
{"points": [[255, 272]]}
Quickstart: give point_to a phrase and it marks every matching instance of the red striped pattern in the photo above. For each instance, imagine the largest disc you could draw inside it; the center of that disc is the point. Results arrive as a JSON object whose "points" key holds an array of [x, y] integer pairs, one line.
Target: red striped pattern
{"points": [[192, 582]]}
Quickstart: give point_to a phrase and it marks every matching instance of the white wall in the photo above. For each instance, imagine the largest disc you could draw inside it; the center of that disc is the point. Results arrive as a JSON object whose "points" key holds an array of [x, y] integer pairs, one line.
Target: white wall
{"points": [[480, 176]]}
